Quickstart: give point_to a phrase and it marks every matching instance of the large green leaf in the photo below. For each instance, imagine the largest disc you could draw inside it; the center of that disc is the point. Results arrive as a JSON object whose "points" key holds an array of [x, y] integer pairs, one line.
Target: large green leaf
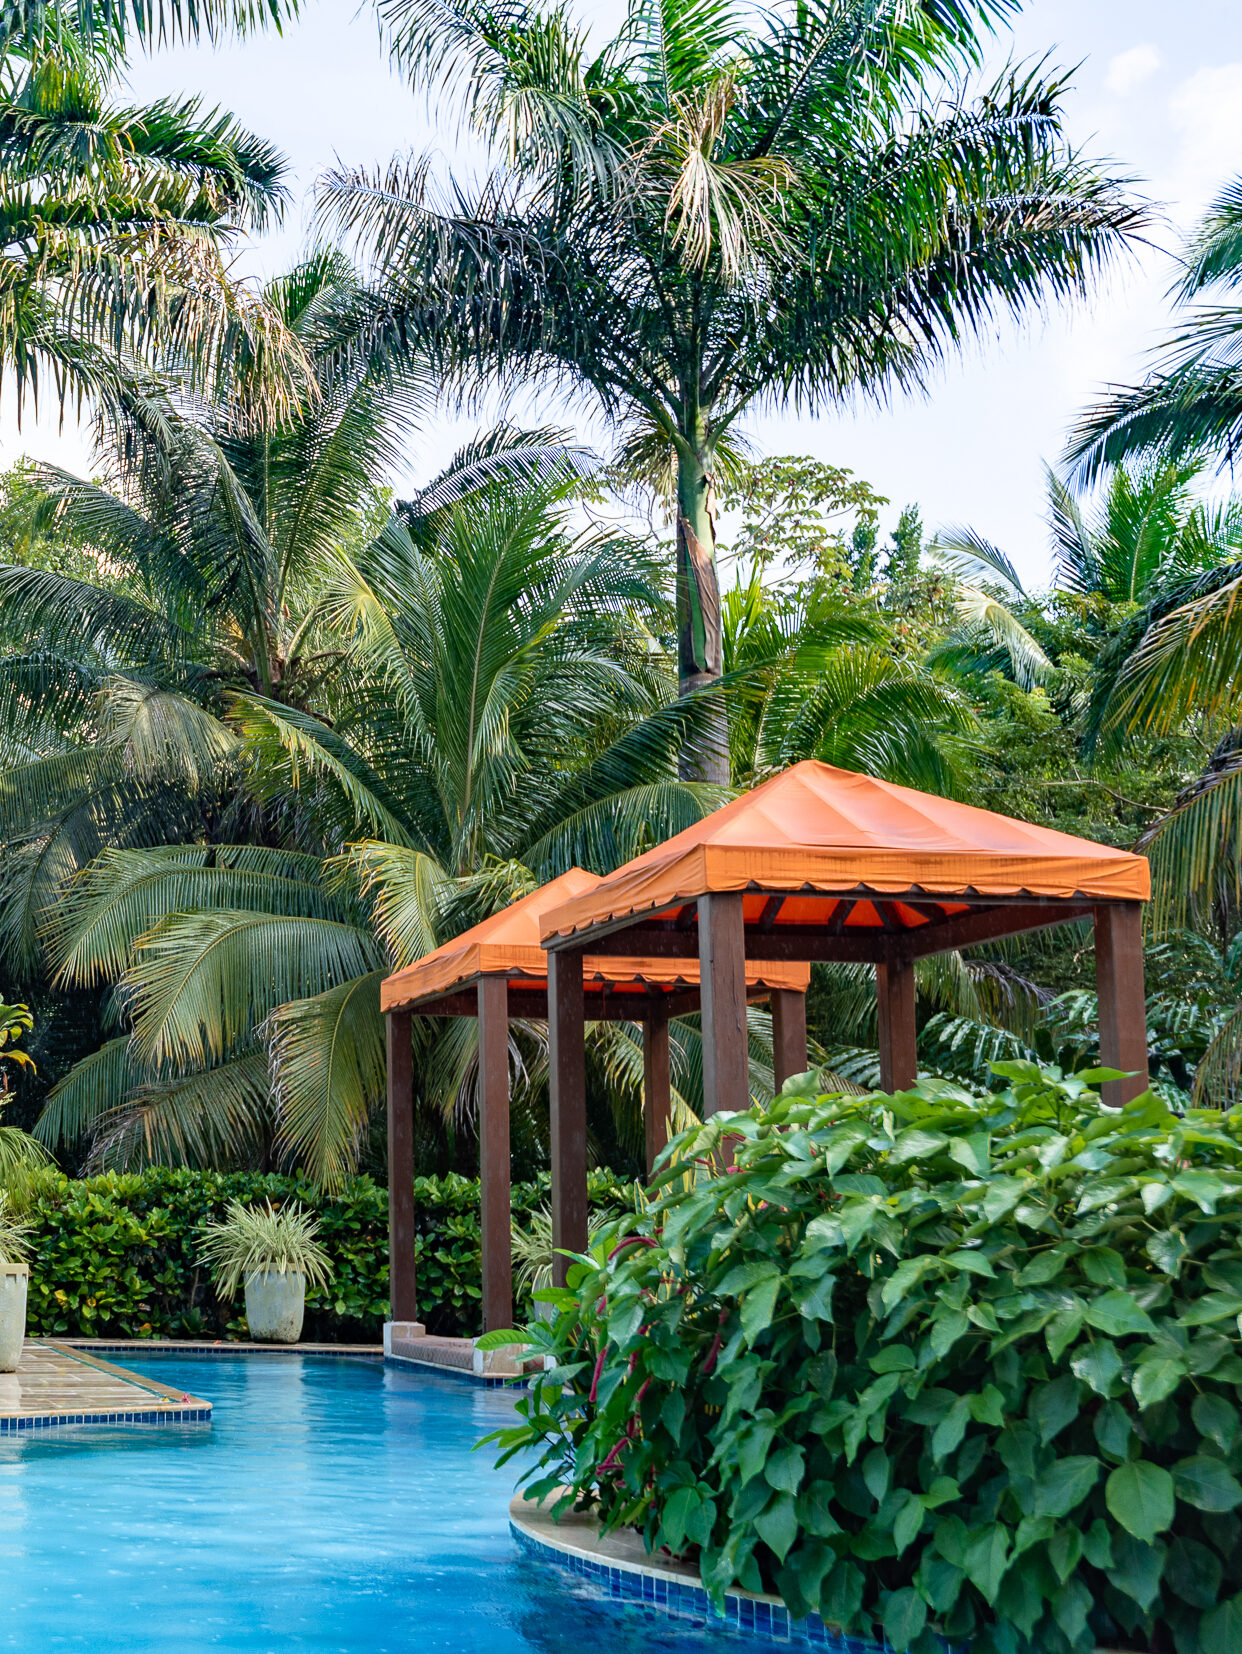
{"points": [[1140, 1495]]}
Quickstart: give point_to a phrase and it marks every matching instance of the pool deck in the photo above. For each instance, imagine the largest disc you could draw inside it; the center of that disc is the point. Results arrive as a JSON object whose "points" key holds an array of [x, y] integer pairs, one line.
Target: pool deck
{"points": [[56, 1385]]}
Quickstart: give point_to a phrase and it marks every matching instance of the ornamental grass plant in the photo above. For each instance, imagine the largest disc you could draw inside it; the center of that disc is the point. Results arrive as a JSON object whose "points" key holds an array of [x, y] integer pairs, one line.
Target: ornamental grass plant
{"points": [[932, 1365], [259, 1240], [14, 1233]]}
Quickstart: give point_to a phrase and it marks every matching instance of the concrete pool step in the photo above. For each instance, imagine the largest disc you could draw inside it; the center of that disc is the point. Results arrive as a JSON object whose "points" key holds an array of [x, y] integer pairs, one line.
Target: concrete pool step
{"points": [[55, 1385], [409, 1343]]}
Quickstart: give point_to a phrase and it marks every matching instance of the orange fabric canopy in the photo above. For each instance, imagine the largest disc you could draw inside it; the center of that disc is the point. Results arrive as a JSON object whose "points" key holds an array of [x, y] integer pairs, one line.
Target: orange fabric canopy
{"points": [[814, 828], [507, 945]]}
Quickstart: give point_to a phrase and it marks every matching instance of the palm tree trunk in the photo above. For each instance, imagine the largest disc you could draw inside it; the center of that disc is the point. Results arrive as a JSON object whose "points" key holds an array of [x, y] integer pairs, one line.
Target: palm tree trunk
{"points": [[705, 757]]}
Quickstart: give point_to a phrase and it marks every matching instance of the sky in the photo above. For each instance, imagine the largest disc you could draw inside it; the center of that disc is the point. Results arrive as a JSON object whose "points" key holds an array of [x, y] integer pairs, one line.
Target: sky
{"points": [[1157, 88]]}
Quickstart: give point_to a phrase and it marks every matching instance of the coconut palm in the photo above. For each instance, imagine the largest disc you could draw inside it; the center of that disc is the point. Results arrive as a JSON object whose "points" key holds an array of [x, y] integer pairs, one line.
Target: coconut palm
{"points": [[1192, 403], [113, 691], [1149, 542], [116, 225], [500, 713], [813, 674], [720, 208]]}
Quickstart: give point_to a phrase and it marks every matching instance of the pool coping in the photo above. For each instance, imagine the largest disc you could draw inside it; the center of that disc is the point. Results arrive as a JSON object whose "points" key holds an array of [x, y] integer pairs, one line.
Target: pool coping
{"points": [[188, 1410], [671, 1585], [190, 1346], [620, 1562]]}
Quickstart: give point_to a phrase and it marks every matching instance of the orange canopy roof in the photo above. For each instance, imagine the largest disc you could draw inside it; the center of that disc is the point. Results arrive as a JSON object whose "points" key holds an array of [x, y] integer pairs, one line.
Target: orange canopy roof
{"points": [[508, 945], [816, 828]]}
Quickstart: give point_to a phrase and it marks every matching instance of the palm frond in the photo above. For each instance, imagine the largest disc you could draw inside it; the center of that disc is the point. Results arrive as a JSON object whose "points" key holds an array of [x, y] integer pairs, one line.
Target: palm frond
{"points": [[505, 454], [92, 1087], [328, 1067], [294, 754], [122, 894], [201, 983], [1027, 658], [213, 1118], [409, 893]]}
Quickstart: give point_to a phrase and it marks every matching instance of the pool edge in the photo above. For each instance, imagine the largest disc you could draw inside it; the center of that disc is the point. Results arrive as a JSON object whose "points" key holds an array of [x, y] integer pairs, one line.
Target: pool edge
{"points": [[674, 1591]]}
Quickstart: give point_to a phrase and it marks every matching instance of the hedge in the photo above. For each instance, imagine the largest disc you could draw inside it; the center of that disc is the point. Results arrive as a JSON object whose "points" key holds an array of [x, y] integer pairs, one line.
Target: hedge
{"points": [[116, 1255], [941, 1368]]}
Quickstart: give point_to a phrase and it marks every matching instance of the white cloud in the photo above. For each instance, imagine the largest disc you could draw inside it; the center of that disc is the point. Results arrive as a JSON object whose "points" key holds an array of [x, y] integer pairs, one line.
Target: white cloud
{"points": [[1206, 111], [1130, 69]]}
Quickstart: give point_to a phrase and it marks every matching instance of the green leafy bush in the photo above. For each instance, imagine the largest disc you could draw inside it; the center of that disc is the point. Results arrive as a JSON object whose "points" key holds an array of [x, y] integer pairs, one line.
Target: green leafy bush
{"points": [[116, 1255], [927, 1364]]}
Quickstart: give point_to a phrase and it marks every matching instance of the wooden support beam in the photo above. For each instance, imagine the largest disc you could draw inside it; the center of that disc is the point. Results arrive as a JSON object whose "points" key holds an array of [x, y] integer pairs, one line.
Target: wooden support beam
{"points": [[988, 924], [788, 1035], [657, 1084], [402, 1281], [840, 913], [895, 990], [771, 911], [567, 1087], [722, 986], [493, 992], [1123, 1010], [796, 942]]}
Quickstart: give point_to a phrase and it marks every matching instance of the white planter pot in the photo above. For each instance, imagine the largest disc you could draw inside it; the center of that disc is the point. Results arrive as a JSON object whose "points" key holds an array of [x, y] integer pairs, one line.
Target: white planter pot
{"points": [[13, 1281], [275, 1305]]}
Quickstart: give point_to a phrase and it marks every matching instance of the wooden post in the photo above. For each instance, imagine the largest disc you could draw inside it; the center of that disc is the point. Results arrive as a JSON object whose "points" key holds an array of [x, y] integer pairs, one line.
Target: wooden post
{"points": [[899, 1065], [567, 1088], [722, 986], [402, 1286], [788, 1035], [494, 1152], [1123, 1010], [657, 1087]]}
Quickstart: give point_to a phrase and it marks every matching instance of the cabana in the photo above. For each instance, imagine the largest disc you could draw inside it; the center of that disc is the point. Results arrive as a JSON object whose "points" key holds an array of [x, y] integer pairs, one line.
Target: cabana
{"points": [[497, 971], [822, 864]]}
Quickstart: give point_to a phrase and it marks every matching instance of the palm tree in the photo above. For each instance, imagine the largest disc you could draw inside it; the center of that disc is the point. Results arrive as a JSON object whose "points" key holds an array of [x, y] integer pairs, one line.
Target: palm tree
{"points": [[1149, 542], [1192, 403], [28, 24], [721, 208], [499, 714], [208, 530], [815, 674], [1155, 575], [116, 225]]}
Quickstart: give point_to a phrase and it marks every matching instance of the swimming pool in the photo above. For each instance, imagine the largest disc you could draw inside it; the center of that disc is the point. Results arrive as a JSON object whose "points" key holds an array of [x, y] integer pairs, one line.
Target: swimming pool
{"points": [[332, 1505]]}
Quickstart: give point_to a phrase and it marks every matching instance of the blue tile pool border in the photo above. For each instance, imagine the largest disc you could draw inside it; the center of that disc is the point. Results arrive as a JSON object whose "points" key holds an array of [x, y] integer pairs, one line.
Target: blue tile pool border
{"points": [[11, 1426], [748, 1616], [141, 1348]]}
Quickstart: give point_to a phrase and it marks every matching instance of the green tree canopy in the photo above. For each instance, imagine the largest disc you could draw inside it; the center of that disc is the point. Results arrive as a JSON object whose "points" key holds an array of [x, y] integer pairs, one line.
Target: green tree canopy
{"points": [[720, 208]]}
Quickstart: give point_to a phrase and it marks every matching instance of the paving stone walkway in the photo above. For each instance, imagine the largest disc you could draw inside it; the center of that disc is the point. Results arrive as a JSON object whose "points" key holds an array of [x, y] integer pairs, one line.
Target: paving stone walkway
{"points": [[55, 1385]]}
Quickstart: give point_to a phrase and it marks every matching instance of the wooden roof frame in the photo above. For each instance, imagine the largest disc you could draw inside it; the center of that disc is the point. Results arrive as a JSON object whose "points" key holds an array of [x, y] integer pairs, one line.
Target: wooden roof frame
{"points": [[688, 896], [616, 988]]}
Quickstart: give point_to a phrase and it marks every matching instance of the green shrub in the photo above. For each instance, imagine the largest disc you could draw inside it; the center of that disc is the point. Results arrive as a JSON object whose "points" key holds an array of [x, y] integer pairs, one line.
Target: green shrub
{"points": [[927, 1364], [115, 1256]]}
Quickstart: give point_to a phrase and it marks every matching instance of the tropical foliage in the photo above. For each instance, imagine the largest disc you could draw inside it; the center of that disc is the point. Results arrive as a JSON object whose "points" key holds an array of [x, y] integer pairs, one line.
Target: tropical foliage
{"points": [[475, 669], [117, 1255], [720, 207], [1192, 403], [934, 1365], [117, 223], [265, 1239], [14, 1233]]}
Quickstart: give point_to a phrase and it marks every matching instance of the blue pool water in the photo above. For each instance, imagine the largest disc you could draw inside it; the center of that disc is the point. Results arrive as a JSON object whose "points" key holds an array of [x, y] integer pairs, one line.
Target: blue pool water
{"points": [[331, 1505]]}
